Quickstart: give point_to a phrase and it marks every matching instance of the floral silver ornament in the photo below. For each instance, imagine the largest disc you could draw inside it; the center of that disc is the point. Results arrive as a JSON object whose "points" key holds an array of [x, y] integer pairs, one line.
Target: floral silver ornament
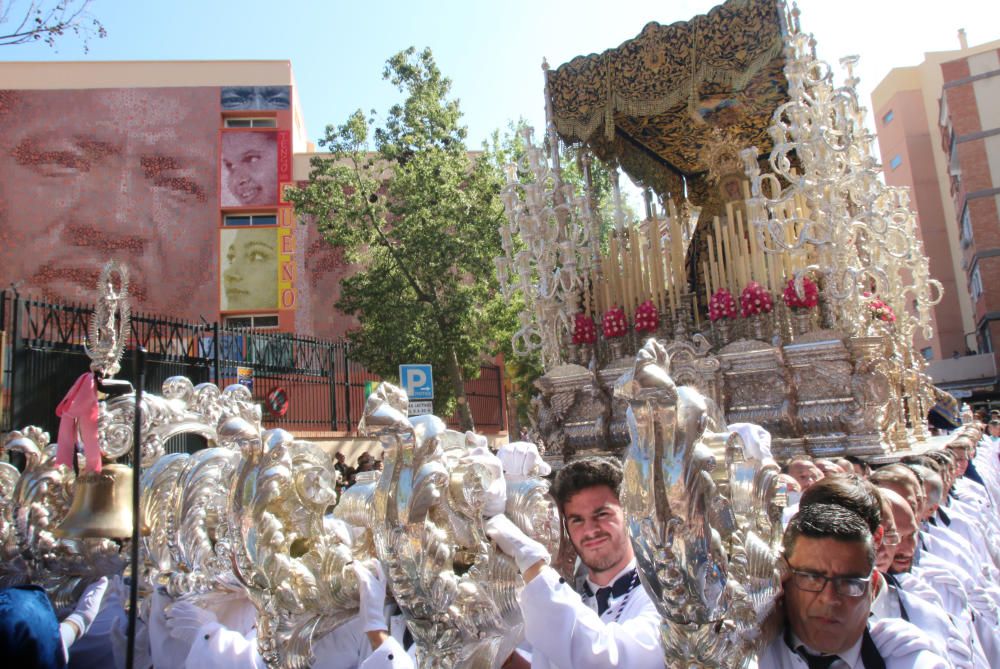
{"points": [[457, 591], [704, 519]]}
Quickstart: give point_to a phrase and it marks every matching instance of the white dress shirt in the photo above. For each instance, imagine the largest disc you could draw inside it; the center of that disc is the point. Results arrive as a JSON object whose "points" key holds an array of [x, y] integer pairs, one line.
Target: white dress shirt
{"points": [[948, 640], [901, 645], [566, 633]]}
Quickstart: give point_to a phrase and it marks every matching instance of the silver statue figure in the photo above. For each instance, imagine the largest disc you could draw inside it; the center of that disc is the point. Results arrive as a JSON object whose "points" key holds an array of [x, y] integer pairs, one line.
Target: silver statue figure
{"points": [[456, 590], [704, 520]]}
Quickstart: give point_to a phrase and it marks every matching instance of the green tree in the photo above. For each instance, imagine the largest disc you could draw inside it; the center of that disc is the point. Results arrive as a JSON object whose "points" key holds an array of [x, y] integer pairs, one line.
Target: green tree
{"points": [[420, 215]]}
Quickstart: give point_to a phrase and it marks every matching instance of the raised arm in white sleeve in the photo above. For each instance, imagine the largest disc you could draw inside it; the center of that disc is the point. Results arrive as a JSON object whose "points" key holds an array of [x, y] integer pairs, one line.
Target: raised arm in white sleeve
{"points": [[571, 635]]}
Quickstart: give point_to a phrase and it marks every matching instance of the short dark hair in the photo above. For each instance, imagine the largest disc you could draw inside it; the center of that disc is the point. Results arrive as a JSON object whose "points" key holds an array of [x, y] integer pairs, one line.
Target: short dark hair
{"points": [[849, 491], [942, 456], [924, 461], [828, 521], [855, 460], [587, 473], [895, 474]]}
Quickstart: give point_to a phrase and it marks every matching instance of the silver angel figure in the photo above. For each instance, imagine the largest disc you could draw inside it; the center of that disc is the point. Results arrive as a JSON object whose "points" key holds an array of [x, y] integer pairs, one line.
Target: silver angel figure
{"points": [[457, 592], [704, 520], [296, 573]]}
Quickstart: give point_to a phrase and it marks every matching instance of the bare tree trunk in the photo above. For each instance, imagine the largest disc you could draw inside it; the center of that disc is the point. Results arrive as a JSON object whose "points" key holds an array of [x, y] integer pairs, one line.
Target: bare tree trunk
{"points": [[458, 384]]}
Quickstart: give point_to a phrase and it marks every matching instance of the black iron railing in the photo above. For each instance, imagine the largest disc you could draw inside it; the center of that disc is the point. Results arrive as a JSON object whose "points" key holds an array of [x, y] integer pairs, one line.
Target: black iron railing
{"points": [[303, 383]]}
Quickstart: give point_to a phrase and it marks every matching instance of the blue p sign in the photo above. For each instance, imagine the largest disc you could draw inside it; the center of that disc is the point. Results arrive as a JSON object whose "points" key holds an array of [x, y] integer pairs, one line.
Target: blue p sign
{"points": [[417, 381]]}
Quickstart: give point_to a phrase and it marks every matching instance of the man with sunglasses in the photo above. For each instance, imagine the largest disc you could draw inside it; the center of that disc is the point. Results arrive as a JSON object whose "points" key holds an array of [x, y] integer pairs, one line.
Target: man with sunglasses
{"points": [[829, 556]]}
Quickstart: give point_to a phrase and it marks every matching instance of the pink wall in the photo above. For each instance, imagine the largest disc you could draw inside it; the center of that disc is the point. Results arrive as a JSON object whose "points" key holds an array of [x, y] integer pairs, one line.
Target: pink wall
{"points": [[89, 175]]}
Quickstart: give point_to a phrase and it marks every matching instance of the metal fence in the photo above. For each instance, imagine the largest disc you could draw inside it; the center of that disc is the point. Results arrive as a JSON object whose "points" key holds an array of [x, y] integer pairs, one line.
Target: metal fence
{"points": [[304, 384]]}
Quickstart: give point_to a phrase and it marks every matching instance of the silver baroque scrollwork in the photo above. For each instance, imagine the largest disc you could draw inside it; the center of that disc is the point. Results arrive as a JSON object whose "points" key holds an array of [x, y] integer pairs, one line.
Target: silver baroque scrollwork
{"points": [[296, 573], [704, 519], [457, 591]]}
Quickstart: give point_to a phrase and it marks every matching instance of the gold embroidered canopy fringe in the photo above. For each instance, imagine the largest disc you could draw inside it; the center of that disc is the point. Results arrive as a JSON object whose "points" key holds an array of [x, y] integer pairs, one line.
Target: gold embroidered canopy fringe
{"points": [[654, 103]]}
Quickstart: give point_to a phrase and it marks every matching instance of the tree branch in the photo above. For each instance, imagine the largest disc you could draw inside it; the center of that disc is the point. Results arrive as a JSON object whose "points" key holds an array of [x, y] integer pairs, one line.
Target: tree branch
{"points": [[422, 295]]}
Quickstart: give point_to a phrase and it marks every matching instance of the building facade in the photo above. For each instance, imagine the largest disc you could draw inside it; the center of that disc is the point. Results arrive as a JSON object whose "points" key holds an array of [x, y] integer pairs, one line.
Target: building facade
{"points": [[969, 123], [938, 126], [176, 169]]}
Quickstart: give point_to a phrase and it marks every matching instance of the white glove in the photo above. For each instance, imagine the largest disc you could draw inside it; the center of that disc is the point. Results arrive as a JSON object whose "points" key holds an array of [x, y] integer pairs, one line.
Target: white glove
{"points": [[87, 608], [371, 587], [959, 653], [184, 619], [756, 441], [521, 459], [981, 601], [474, 440], [515, 543], [495, 496]]}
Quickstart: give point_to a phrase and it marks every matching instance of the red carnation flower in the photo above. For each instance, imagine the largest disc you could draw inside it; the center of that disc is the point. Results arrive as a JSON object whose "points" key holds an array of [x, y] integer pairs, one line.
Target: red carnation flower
{"points": [[614, 324], [722, 305], [755, 300], [807, 301]]}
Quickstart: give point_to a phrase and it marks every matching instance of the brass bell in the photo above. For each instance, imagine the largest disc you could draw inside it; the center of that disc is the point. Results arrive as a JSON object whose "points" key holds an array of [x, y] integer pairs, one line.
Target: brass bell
{"points": [[102, 505]]}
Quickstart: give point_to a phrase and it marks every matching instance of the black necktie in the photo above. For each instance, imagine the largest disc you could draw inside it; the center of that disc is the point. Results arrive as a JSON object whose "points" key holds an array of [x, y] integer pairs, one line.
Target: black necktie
{"points": [[817, 661], [622, 585], [603, 595], [814, 661]]}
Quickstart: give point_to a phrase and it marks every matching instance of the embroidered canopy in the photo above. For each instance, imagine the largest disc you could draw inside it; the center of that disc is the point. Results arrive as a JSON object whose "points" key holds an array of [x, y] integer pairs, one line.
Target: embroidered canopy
{"points": [[663, 104]]}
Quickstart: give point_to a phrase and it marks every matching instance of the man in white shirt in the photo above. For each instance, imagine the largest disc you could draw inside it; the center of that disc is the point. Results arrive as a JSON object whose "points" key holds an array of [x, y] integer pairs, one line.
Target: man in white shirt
{"points": [[225, 637], [894, 596], [830, 556], [612, 623]]}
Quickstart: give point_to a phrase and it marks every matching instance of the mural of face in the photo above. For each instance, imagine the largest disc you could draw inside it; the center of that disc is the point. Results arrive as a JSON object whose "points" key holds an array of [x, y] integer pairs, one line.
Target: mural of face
{"points": [[249, 169], [256, 97], [250, 269], [90, 175]]}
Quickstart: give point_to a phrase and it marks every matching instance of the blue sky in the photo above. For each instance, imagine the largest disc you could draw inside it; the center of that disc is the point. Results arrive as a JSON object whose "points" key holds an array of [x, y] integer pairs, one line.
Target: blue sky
{"points": [[491, 51]]}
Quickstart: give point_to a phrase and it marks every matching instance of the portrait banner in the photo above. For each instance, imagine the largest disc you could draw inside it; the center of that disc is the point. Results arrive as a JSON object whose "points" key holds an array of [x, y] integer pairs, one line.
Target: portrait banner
{"points": [[133, 178], [249, 174], [249, 265]]}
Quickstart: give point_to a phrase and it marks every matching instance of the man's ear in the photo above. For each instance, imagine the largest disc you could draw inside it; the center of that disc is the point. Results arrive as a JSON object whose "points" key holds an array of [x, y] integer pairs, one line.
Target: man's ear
{"points": [[784, 571], [878, 536]]}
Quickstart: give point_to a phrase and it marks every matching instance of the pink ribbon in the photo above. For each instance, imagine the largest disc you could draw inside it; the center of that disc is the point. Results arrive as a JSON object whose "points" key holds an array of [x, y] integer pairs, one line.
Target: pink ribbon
{"points": [[78, 410]]}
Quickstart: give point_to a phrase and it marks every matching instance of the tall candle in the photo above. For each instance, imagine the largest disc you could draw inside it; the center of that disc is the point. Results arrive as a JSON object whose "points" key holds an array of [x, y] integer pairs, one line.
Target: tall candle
{"points": [[721, 281], [643, 293], [629, 275], [729, 261], [614, 272], [677, 249], [656, 261], [741, 243]]}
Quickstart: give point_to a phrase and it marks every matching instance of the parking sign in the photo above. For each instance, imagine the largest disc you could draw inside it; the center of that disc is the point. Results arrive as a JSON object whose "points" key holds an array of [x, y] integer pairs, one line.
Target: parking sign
{"points": [[417, 381]]}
